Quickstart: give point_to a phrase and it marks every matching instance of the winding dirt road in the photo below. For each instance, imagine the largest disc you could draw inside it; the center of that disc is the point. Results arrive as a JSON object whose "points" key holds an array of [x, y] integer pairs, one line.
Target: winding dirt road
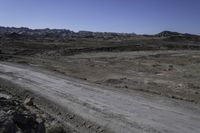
{"points": [[115, 110]]}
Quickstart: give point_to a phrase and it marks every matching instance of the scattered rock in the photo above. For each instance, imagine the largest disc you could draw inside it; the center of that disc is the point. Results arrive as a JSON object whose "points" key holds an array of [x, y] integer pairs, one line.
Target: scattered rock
{"points": [[15, 118], [5, 96]]}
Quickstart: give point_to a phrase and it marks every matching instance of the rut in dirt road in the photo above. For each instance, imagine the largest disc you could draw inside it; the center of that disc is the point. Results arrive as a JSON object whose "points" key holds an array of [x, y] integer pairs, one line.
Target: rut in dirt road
{"points": [[116, 110]]}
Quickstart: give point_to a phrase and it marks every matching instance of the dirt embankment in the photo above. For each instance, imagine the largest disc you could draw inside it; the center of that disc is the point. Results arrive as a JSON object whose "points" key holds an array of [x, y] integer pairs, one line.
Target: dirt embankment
{"points": [[23, 116]]}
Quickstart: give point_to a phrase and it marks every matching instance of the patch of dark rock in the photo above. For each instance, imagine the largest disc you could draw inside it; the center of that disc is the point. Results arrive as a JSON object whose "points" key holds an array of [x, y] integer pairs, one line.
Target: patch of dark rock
{"points": [[15, 118]]}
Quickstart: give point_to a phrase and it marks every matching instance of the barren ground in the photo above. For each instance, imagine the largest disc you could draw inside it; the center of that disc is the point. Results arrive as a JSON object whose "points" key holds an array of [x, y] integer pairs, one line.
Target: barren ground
{"points": [[173, 74], [88, 107], [134, 84]]}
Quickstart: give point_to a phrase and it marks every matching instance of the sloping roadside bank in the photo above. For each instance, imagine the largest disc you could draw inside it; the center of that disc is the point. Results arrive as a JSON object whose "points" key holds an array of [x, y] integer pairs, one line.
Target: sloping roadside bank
{"points": [[17, 116], [20, 113], [69, 121]]}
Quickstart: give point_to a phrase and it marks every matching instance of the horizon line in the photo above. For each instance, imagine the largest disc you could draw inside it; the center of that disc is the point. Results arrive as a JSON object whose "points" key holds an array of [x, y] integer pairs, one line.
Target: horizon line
{"points": [[31, 28]]}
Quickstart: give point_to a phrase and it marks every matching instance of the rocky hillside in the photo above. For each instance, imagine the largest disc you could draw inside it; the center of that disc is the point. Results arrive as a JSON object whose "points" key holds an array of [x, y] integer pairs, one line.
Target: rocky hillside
{"points": [[175, 36]]}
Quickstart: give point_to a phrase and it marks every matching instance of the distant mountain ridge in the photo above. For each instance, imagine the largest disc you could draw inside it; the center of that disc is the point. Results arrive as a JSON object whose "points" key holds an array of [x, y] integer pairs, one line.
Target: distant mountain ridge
{"points": [[59, 32], [64, 33]]}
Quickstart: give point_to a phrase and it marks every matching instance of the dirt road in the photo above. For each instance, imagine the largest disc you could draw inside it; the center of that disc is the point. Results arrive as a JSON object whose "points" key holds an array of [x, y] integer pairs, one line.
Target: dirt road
{"points": [[113, 110]]}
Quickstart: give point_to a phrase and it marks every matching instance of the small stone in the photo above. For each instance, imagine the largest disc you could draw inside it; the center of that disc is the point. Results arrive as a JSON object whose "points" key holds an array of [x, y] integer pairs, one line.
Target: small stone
{"points": [[84, 123], [29, 101], [126, 86], [44, 116], [72, 117], [101, 131], [98, 127], [89, 126], [10, 111], [39, 120], [170, 67], [173, 97]]}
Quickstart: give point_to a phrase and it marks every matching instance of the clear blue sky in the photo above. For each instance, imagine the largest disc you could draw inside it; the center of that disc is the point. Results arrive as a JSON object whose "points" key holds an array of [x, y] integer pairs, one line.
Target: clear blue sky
{"points": [[140, 16]]}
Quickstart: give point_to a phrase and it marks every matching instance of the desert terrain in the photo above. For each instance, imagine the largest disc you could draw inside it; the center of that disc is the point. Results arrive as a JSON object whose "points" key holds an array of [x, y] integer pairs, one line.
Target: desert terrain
{"points": [[103, 82]]}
